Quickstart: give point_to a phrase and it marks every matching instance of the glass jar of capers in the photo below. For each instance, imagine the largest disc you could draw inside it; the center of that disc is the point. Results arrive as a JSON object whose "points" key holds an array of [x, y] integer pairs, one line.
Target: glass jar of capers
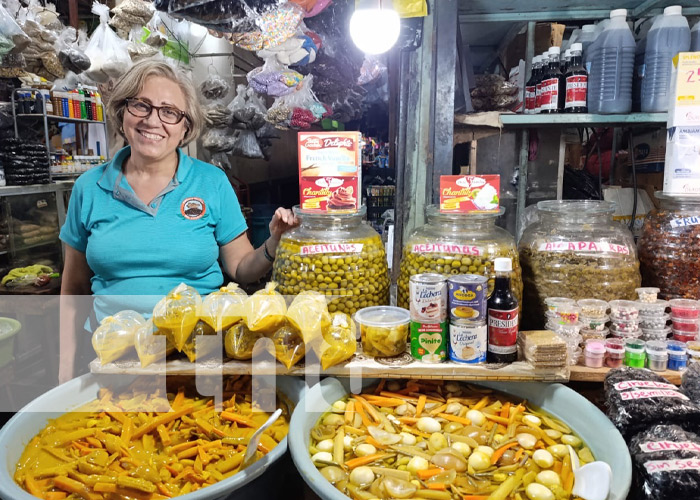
{"points": [[457, 244], [575, 250], [668, 247], [335, 254]]}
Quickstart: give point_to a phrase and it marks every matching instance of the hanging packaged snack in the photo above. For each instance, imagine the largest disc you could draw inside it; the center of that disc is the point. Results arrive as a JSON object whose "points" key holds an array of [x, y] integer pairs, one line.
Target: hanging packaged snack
{"points": [[115, 336], [274, 27], [239, 342], [309, 314], [289, 346], [265, 310], [131, 13], [666, 460], [214, 87], [11, 35], [219, 140], [71, 57], [108, 53], [339, 340], [223, 308], [298, 50], [636, 399], [201, 342], [246, 145], [218, 115], [149, 346], [177, 314], [274, 79]]}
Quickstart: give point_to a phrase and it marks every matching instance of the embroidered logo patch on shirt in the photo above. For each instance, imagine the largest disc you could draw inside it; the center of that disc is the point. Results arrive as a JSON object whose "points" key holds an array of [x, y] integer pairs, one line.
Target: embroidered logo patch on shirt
{"points": [[193, 208]]}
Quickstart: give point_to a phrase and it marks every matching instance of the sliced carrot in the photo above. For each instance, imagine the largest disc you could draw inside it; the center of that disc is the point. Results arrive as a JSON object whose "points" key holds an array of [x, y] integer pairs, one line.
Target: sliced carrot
{"points": [[105, 488], [482, 403], [505, 410], [408, 420], [232, 417], [428, 473], [416, 432], [179, 398], [455, 418], [519, 455], [496, 418], [371, 410], [382, 401], [437, 486], [192, 452], [374, 442], [368, 459], [557, 467], [475, 497], [359, 409], [55, 495], [183, 446], [439, 409], [499, 452], [164, 435], [32, 487], [164, 490], [162, 419], [421, 404], [388, 394], [127, 431]]}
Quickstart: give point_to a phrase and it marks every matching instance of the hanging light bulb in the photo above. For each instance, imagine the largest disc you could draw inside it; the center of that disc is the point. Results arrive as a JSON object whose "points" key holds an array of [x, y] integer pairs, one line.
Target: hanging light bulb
{"points": [[374, 26]]}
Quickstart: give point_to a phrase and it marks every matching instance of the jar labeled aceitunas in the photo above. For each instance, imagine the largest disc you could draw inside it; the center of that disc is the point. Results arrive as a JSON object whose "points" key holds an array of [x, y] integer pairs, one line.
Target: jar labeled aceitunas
{"points": [[450, 244], [335, 254], [669, 247], [576, 250]]}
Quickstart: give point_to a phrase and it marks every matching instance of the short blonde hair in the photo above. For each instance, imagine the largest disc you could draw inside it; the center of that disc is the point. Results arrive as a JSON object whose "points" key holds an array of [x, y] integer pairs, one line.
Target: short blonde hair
{"points": [[131, 83]]}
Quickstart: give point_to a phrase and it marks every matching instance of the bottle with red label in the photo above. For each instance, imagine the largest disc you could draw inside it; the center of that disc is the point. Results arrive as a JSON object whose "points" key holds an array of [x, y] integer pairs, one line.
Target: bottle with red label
{"points": [[544, 63], [531, 86], [553, 85], [502, 316], [576, 82]]}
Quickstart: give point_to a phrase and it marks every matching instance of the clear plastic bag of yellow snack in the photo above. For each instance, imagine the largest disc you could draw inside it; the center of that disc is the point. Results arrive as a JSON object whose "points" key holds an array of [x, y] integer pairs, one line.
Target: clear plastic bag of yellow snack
{"points": [[339, 340], [265, 310], [289, 345], [177, 313], [239, 341], [222, 309], [201, 342], [115, 336], [309, 314], [150, 347]]}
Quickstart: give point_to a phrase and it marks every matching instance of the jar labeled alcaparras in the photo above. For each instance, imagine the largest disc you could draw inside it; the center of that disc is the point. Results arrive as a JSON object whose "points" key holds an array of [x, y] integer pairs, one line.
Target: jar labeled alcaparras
{"points": [[451, 244], [669, 252], [576, 250], [337, 255]]}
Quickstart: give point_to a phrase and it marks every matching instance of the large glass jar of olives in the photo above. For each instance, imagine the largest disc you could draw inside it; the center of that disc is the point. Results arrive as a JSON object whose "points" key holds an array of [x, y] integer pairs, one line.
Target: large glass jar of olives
{"points": [[335, 254], [457, 244], [576, 250], [669, 247]]}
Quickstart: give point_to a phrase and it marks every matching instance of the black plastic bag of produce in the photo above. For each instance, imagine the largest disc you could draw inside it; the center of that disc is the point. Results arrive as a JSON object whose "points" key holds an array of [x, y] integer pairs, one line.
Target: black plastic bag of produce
{"points": [[220, 15], [690, 382], [636, 399], [667, 463]]}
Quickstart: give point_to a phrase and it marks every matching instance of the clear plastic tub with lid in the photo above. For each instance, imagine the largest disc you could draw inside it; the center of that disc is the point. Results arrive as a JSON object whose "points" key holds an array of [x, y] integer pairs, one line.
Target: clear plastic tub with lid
{"points": [[383, 329], [648, 293], [652, 309], [451, 244], [597, 324], [653, 322], [335, 254], [656, 333], [685, 308], [593, 308], [669, 253], [576, 250], [623, 310]]}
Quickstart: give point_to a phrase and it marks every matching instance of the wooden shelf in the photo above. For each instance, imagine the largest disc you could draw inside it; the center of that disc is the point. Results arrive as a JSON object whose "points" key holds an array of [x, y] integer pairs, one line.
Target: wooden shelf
{"points": [[498, 120], [358, 366], [586, 374]]}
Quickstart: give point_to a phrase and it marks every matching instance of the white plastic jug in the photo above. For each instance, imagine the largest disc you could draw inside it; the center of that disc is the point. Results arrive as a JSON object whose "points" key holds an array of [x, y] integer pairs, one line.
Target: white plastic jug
{"points": [[695, 38], [669, 35], [586, 38], [612, 66]]}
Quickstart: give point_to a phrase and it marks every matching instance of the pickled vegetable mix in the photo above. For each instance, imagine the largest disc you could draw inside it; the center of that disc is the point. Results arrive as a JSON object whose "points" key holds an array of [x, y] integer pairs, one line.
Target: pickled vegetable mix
{"points": [[110, 448], [444, 441]]}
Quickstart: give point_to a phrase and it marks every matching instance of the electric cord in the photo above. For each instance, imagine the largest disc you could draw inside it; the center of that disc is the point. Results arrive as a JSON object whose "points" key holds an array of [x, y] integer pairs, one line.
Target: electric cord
{"points": [[634, 179]]}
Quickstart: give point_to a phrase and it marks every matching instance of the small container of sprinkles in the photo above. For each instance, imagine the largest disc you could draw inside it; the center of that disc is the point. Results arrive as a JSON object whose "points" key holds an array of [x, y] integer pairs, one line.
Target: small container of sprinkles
{"points": [[635, 356], [677, 357], [657, 355]]}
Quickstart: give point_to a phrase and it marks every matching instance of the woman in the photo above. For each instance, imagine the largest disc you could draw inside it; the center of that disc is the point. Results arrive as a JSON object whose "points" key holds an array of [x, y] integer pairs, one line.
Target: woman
{"points": [[153, 217]]}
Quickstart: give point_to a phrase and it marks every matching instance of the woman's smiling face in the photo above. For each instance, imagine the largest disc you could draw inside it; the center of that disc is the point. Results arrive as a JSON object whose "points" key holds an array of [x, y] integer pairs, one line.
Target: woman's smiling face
{"points": [[149, 137]]}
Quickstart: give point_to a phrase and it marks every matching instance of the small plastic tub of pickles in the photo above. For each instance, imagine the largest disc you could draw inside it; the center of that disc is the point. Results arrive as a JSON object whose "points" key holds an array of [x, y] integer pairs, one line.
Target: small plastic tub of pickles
{"points": [[383, 330]]}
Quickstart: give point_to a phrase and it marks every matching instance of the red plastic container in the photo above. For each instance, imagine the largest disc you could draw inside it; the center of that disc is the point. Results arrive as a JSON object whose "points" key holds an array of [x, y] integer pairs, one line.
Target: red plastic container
{"points": [[685, 308]]}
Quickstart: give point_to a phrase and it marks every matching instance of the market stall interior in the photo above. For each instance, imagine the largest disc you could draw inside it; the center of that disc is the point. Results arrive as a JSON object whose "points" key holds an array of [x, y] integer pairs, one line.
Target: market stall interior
{"points": [[484, 193]]}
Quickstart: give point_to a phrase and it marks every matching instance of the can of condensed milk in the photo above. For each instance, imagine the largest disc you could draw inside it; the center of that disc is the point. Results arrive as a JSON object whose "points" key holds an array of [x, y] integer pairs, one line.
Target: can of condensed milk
{"points": [[468, 341], [428, 297], [467, 297]]}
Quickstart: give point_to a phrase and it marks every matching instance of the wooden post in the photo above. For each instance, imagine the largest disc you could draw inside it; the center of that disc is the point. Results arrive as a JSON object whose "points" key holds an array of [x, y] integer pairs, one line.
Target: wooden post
{"points": [[73, 13]]}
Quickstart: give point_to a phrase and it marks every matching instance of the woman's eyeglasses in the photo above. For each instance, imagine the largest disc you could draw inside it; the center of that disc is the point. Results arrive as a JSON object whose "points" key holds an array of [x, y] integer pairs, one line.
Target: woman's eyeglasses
{"points": [[167, 114]]}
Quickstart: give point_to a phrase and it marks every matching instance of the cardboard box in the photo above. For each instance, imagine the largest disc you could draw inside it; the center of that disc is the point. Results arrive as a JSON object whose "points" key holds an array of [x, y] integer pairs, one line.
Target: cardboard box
{"points": [[546, 35], [330, 171], [469, 193]]}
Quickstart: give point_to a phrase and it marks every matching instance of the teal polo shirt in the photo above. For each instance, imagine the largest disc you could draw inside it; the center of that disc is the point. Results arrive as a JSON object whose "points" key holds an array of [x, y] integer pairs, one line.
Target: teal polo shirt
{"points": [[143, 250]]}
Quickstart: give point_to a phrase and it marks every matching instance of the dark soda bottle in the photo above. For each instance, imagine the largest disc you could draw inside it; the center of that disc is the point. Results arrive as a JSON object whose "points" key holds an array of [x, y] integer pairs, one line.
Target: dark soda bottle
{"points": [[502, 316], [576, 83], [531, 87]]}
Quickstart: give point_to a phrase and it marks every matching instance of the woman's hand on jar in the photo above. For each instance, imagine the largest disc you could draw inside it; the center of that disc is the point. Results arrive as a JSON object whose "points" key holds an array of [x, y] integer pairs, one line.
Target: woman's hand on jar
{"points": [[282, 221]]}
